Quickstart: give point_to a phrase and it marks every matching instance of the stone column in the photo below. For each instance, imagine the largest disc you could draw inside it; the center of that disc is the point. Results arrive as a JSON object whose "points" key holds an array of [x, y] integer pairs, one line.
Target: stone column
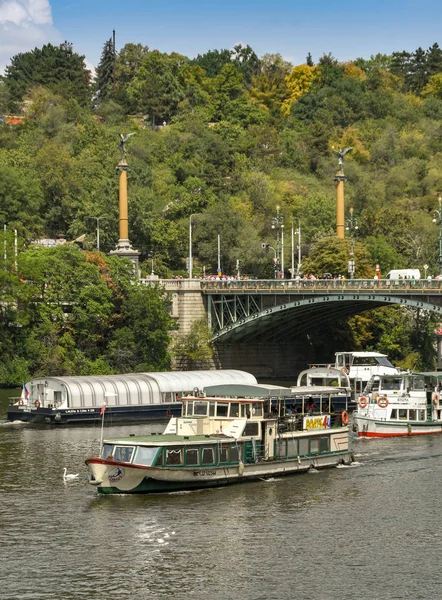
{"points": [[340, 206], [124, 248]]}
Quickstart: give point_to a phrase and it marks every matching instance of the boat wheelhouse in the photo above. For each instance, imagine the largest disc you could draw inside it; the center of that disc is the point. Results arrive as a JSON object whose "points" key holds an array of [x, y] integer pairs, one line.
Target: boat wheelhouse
{"points": [[129, 397], [230, 437], [400, 405]]}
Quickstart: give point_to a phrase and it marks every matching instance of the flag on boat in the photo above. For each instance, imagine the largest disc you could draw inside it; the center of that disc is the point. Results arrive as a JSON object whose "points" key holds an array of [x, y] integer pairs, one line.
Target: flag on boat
{"points": [[25, 392], [103, 408]]}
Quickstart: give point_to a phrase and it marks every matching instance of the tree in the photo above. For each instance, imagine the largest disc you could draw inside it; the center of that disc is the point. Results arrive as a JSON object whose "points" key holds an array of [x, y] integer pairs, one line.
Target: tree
{"points": [[193, 350], [58, 68], [298, 82], [105, 73], [213, 61]]}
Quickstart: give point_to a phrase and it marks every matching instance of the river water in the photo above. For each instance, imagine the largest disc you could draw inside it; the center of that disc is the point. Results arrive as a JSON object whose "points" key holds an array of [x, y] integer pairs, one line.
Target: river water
{"points": [[367, 531]]}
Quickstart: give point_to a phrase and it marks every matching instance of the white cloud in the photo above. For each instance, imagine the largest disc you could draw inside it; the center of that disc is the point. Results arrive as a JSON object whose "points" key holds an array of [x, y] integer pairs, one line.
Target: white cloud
{"points": [[24, 25]]}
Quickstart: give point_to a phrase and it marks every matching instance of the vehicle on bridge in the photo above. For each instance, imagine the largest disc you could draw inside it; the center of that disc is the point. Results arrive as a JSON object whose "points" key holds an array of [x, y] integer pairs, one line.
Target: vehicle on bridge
{"points": [[225, 439], [400, 405]]}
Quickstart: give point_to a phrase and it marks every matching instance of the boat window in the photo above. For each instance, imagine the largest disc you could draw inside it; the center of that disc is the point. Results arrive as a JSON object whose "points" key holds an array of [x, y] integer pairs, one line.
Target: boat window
{"points": [[281, 448], [421, 414], [303, 446], [324, 444], [314, 446], [402, 413], [108, 450], [384, 362], [251, 428], [235, 453], [391, 383], [208, 456], [174, 456], [412, 415], [224, 453], [192, 456], [145, 455], [257, 410], [211, 409], [292, 447], [189, 409], [234, 410], [57, 397], [417, 383], [123, 453], [222, 409], [200, 408], [160, 459], [366, 361], [393, 413], [244, 410]]}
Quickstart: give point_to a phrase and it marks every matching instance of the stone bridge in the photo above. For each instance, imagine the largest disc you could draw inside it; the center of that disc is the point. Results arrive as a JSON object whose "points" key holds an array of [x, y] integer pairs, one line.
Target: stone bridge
{"points": [[266, 322]]}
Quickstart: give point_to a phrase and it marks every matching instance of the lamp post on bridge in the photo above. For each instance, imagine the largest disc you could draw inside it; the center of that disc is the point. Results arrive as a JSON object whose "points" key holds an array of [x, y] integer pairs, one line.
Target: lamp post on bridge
{"points": [[278, 224], [352, 227], [298, 232], [437, 218], [98, 219]]}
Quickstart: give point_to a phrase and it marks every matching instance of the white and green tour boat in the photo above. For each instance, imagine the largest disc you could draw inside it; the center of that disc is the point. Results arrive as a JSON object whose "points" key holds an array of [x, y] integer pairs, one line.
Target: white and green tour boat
{"points": [[228, 434]]}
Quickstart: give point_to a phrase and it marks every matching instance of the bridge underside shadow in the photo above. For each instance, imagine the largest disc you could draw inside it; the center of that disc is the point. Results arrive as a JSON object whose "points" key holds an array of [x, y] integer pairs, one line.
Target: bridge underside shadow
{"points": [[282, 322]]}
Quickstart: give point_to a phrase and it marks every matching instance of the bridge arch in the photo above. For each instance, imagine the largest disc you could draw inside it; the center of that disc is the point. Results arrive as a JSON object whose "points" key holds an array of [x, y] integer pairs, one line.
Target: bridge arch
{"points": [[302, 314]]}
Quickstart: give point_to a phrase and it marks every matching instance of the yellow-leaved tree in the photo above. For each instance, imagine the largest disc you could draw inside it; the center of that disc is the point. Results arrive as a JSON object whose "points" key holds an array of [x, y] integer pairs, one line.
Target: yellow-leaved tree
{"points": [[298, 81]]}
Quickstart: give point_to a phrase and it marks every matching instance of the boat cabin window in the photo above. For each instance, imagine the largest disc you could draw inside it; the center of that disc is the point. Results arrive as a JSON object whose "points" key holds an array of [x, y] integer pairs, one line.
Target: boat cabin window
{"points": [[208, 456], [200, 409], [108, 450], [235, 453], [417, 383], [393, 414], [57, 397], [192, 457], [314, 446], [123, 453], [145, 455], [211, 409], [234, 410], [222, 409], [292, 447], [365, 361], [303, 446], [421, 415], [402, 413], [257, 409], [251, 428], [174, 456], [324, 444], [188, 409], [391, 383], [224, 453], [412, 415]]}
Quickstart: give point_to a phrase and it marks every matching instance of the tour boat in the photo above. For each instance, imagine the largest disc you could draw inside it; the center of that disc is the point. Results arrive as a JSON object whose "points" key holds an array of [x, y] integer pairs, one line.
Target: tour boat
{"points": [[243, 433], [132, 397], [398, 405]]}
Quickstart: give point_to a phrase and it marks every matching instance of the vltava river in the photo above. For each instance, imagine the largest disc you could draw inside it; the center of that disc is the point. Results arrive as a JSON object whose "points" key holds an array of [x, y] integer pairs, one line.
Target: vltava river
{"points": [[367, 531]]}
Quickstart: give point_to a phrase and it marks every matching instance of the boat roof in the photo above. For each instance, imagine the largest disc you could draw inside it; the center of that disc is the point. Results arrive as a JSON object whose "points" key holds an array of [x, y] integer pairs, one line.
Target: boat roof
{"points": [[363, 354], [437, 374], [317, 390], [169, 438], [258, 390]]}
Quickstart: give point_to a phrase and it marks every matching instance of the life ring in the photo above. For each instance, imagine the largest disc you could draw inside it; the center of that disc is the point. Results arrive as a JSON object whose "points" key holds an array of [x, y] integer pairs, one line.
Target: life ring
{"points": [[37, 404], [436, 398], [21, 402], [344, 417], [363, 401], [382, 402], [345, 370]]}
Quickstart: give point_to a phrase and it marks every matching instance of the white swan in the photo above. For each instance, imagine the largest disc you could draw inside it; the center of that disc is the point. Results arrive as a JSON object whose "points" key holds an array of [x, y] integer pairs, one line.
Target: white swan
{"points": [[67, 475]]}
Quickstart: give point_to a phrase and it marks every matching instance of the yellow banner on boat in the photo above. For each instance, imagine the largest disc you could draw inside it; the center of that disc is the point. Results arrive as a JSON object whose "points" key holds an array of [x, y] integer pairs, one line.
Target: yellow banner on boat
{"points": [[319, 422]]}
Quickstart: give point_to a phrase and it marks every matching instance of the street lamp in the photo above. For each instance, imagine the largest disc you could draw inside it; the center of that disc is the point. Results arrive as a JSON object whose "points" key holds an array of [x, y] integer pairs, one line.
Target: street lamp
{"points": [[98, 219], [438, 219], [352, 227], [298, 232], [278, 223], [151, 255], [190, 265]]}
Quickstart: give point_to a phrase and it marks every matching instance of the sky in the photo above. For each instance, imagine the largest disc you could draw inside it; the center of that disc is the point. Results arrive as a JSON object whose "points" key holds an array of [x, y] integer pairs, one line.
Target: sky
{"points": [[347, 29]]}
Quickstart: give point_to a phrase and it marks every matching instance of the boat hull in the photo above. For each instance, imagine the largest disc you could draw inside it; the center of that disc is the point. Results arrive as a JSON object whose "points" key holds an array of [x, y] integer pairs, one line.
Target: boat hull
{"points": [[119, 478], [370, 428], [112, 415]]}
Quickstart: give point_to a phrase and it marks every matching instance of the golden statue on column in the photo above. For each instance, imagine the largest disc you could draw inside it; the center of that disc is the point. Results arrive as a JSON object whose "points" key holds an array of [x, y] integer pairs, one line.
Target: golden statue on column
{"points": [[124, 248]]}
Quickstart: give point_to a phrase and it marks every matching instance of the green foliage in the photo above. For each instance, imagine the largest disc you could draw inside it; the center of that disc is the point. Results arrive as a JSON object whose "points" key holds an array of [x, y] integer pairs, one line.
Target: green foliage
{"points": [[193, 350]]}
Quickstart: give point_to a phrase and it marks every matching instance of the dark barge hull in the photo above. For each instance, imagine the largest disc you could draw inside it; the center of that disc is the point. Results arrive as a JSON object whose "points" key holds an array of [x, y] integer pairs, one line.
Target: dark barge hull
{"points": [[112, 415]]}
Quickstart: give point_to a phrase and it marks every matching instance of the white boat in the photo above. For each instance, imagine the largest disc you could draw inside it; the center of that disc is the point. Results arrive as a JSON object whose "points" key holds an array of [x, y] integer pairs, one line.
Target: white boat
{"points": [[361, 366], [400, 405], [260, 432]]}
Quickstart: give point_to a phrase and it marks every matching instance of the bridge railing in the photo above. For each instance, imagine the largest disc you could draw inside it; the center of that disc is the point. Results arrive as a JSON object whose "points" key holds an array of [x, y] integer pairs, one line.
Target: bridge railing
{"points": [[326, 285]]}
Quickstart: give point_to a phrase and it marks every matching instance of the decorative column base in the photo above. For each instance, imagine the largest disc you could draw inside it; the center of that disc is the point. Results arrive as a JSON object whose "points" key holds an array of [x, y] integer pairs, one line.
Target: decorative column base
{"points": [[125, 250]]}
